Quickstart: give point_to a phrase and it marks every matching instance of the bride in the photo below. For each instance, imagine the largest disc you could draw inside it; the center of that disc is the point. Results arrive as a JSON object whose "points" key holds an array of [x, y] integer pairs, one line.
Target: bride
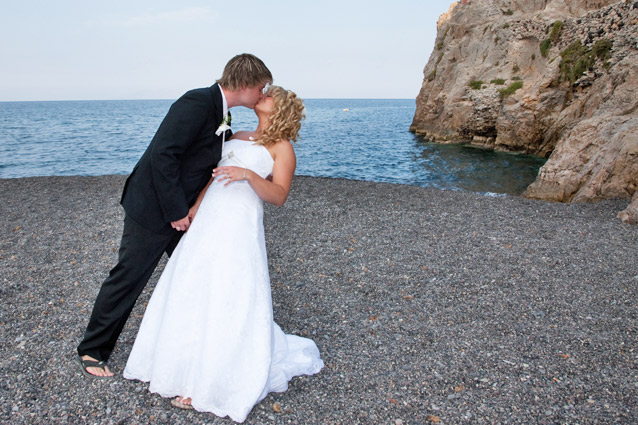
{"points": [[208, 335]]}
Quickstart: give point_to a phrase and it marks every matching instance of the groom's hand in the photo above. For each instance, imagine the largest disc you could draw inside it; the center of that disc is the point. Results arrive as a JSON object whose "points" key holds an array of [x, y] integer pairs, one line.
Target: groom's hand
{"points": [[181, 225]]}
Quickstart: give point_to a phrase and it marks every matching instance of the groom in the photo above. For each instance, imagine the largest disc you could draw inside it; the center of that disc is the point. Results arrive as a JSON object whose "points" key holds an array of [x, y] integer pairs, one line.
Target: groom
{"points": [[176, 166]]}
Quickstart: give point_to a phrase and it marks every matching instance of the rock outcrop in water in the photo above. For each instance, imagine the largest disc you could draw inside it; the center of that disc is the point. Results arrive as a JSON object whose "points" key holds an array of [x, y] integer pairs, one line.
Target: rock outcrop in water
{"points": [[554, 78]]}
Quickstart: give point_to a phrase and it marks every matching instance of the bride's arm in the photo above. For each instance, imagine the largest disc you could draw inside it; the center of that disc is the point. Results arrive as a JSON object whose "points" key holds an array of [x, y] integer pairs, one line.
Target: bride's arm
{"points": [[193, 210], [275, 191]]}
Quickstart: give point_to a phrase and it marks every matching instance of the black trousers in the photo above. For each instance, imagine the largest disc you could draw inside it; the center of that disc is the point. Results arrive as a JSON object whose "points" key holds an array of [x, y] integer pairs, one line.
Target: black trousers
{"points": [[140, 251]]}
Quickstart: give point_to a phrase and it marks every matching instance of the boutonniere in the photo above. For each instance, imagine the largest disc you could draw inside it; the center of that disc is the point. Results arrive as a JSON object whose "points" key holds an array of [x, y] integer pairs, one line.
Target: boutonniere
{"points": [[224, 126]]}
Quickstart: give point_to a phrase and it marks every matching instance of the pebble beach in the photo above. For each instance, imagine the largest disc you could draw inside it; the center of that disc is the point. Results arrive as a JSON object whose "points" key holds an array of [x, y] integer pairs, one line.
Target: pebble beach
{"points": [[428, 306]]}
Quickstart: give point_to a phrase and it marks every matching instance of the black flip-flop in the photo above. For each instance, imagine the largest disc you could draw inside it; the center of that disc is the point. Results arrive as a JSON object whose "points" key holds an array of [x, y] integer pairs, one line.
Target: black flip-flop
{"points": [[91, 363]]}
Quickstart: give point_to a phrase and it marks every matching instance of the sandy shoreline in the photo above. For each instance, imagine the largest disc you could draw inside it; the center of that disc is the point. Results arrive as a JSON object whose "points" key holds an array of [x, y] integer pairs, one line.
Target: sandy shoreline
{"points": [[424, 303]]}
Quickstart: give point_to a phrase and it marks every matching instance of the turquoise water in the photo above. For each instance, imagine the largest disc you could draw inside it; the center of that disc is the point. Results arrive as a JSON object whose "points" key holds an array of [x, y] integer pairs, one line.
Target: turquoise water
{"points": [[358, 139]]}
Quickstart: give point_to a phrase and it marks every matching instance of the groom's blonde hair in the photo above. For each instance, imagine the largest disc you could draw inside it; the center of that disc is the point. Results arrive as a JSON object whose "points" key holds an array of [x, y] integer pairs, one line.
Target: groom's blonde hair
{"points": [[244, 71]]}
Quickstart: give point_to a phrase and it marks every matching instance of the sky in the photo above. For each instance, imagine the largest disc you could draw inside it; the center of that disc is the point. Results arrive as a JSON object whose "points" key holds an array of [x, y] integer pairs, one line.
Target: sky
{"points": [[158, 49]]}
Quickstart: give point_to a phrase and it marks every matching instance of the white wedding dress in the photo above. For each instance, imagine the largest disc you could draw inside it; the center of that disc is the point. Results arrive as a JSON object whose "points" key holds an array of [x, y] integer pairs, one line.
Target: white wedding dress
{"points": [[208, 331]]}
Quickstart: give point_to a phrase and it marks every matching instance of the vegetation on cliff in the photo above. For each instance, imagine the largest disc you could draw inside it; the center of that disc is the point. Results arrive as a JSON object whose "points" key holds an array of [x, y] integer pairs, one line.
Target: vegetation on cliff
{"points": [[576, 58], [511, 89]]}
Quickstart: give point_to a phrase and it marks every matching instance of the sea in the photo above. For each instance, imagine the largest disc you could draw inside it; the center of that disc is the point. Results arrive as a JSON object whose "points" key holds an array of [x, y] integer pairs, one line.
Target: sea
{"points": [[356, 139]]}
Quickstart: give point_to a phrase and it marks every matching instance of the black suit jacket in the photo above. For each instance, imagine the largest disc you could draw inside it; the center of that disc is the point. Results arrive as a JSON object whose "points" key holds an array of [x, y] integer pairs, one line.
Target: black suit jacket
{"points": [[178, 162]]}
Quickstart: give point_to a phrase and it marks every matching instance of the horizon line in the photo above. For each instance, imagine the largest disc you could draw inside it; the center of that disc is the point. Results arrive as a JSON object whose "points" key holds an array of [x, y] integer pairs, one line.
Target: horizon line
{"points": [[173, 99]]}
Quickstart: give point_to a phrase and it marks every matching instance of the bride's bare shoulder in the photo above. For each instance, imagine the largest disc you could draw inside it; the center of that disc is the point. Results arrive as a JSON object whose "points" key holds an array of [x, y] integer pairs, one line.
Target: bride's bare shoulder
{"points": [[242, 135], [284, 144], [282, 149]]}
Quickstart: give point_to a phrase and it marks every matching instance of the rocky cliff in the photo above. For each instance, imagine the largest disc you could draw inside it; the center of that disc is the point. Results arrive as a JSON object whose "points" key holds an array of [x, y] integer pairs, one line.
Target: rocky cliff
{"points": [[555, 78]]}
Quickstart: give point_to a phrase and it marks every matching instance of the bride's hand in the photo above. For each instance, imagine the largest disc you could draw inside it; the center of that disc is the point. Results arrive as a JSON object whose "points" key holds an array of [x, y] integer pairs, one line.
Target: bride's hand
{"points": [[231, 174]]}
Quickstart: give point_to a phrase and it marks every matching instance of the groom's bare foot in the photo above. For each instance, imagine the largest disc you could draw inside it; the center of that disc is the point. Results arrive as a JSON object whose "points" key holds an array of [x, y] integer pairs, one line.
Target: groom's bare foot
{"points": [[97, 371]]}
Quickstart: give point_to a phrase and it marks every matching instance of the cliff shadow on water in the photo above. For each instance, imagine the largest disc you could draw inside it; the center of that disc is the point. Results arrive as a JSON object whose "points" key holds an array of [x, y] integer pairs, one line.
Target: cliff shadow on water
{"points": [[466, 167]]}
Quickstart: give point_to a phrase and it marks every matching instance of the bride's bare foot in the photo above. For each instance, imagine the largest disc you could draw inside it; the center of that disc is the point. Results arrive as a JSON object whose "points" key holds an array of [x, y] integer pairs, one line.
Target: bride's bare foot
{"points": [[182, 402], [99, 370]]}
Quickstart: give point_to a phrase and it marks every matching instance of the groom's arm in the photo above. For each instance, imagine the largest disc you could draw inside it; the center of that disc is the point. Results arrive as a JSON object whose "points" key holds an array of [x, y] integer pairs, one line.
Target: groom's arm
{"points": [[181, 126]]}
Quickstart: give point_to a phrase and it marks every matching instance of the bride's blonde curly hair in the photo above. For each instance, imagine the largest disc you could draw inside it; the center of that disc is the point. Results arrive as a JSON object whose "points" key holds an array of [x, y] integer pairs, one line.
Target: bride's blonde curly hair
{"points": [[285, 118]]}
